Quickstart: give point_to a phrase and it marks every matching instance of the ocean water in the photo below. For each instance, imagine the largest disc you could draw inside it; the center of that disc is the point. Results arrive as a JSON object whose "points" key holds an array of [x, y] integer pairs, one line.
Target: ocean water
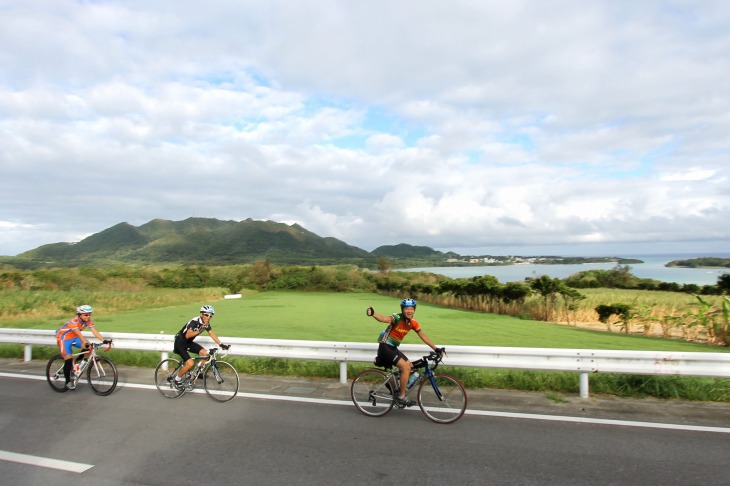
{"points": [[653, 267]]}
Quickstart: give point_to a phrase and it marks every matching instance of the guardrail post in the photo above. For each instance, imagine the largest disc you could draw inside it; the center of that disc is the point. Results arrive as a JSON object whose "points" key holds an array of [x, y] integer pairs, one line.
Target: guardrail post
{"points": [[28, 352], [164, 357], [343, 371], [583, 384]]}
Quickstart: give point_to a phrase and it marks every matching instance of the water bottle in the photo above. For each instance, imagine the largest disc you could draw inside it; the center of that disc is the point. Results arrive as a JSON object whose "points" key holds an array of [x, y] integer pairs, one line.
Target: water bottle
{"points": [[413, 379], [77, 368]]}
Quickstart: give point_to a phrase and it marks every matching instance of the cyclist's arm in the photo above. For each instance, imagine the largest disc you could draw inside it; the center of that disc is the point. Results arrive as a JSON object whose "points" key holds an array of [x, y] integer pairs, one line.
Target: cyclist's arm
{"points": [[426, 339], [191, 333], [382, 318], [214, 336], [96, 333]]}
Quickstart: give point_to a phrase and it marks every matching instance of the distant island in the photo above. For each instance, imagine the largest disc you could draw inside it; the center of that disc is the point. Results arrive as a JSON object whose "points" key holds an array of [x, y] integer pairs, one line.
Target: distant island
{"points": [[707, 262]]}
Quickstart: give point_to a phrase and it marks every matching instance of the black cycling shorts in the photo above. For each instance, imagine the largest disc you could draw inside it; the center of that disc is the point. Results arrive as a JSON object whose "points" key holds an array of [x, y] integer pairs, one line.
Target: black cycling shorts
{"points": [[182, 347], [389, 355]]}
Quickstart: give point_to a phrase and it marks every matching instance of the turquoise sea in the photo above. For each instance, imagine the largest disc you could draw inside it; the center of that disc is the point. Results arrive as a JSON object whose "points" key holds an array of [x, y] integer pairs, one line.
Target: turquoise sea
{"points": [[653, 267]]}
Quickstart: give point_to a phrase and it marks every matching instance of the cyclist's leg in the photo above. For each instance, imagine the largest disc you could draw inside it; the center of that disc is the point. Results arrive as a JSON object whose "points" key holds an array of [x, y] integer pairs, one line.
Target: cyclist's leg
{"points": [[202, 352], [405, 372], [392, 356], [66, 346], [184, 349]]}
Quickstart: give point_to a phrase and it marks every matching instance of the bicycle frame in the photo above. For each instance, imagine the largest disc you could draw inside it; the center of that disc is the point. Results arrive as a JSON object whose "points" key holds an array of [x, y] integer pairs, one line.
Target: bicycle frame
{"points": [[88, 358], [204, 363], [394, 373], [430, 374]]}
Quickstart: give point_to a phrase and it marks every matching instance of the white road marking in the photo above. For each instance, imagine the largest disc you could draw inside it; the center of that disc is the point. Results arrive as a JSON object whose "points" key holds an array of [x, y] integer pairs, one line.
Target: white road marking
{"points": [[586, 420], [527, 416], [69, 466]]}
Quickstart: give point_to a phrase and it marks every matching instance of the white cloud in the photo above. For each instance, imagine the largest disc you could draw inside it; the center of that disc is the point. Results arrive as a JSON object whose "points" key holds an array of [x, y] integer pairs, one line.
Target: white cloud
{"points": [[468, 125], [693, 174]]}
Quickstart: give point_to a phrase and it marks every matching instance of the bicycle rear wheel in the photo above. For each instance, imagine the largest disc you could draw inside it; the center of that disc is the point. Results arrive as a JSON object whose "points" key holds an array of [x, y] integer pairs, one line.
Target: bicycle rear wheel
{"points": [[54, 374], [446, 405], [221, 381], [164, 374], [371, 393]]}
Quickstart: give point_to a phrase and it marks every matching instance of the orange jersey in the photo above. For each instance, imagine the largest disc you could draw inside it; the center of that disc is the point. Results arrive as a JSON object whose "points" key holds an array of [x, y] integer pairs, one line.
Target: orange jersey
{"points": [[398, 330], [67, 330]]}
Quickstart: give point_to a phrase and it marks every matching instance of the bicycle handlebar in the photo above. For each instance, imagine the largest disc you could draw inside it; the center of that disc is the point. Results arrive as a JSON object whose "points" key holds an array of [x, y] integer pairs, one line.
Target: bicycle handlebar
{"points": [[220, 353], [435, 357], [108, 342]]}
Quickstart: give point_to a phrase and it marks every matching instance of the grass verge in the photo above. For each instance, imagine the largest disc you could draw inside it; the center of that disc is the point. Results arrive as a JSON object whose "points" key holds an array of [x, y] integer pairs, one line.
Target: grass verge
{"points": [[549, 382]]}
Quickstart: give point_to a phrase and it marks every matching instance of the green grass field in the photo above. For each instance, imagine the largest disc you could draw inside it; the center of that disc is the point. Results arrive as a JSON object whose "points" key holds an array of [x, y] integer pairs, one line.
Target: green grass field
{"points": [[341, 317]]}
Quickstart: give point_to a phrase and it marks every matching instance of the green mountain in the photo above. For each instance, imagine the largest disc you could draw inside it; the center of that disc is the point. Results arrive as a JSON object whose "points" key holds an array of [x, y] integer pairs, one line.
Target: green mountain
{"points": [[196, 241], [406, 251]]}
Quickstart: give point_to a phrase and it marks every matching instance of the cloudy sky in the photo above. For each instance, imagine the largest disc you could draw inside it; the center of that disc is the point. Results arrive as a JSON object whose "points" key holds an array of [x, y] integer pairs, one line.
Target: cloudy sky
{"points": [[479, 126]]}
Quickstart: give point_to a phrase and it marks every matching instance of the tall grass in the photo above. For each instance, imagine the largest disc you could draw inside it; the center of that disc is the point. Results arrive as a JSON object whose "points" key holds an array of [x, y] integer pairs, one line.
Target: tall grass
{"points": [[34, 308]]}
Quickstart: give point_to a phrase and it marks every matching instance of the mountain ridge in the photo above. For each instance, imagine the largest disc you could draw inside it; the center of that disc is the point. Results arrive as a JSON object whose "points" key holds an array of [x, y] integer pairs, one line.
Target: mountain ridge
{"points": [[199, 241], [214, 242]]}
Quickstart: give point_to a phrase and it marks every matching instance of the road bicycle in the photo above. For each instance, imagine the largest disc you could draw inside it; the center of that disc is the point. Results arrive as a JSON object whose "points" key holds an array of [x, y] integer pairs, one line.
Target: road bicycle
{"points": [[220, 379], [441, 398], [100, 371]]}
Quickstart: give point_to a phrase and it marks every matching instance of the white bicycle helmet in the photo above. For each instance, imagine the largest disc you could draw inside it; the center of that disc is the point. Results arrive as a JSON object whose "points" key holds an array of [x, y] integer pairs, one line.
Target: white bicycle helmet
{"points": [[208, 309], [84, 309]]}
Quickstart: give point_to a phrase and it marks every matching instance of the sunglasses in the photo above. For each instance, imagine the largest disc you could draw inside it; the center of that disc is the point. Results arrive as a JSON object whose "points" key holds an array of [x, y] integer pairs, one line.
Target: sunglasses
{"points": [[86, 315], [207, 315]]}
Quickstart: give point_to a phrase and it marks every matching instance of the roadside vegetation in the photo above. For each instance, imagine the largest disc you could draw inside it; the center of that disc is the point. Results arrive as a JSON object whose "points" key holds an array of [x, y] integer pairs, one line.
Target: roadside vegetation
{"points": [[613, 300], [293, 312]]}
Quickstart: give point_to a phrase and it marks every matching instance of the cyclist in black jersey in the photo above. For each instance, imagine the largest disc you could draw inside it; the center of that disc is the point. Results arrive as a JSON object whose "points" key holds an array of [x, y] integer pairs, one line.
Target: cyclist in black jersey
{"points": [[185, 340]]}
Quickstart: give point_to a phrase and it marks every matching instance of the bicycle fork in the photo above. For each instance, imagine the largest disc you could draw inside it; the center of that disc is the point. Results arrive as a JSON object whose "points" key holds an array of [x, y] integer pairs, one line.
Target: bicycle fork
{"points": [[216, 373], [439, 395]]}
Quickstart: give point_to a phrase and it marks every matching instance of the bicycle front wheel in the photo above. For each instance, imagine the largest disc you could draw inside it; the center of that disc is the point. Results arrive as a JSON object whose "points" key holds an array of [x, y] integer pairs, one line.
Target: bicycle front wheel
{"points": [[54, 374], [164, 374], [102, 376], [221, 381], [371, 393], [445, 401]]}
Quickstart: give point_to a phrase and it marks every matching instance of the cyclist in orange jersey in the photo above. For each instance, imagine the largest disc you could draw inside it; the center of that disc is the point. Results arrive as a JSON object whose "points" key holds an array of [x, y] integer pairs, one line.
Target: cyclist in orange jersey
{"points": [[390, 338], [69, 336]]}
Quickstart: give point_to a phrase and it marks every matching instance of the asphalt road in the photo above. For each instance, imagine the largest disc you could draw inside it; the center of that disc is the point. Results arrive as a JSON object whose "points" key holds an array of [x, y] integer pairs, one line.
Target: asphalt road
{"points": [[287, 431]]}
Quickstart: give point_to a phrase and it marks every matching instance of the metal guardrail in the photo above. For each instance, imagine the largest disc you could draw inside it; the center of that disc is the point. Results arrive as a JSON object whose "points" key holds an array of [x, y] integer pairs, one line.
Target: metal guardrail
{"points": [[582, 361]]}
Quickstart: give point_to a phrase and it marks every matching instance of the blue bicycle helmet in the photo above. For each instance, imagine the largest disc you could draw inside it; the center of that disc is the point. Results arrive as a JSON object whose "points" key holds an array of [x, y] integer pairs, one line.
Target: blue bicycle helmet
{"points": [[208, 308], [407, 303], [84, 309]]}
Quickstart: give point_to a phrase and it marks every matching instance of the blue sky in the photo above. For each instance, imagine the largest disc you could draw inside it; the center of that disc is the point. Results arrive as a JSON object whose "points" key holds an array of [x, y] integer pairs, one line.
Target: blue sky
{"points": [[502, 127]]}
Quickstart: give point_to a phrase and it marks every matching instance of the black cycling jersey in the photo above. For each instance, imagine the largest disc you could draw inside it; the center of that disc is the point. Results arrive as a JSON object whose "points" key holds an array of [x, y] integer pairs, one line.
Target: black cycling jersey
{"points": [[194, 324]]}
